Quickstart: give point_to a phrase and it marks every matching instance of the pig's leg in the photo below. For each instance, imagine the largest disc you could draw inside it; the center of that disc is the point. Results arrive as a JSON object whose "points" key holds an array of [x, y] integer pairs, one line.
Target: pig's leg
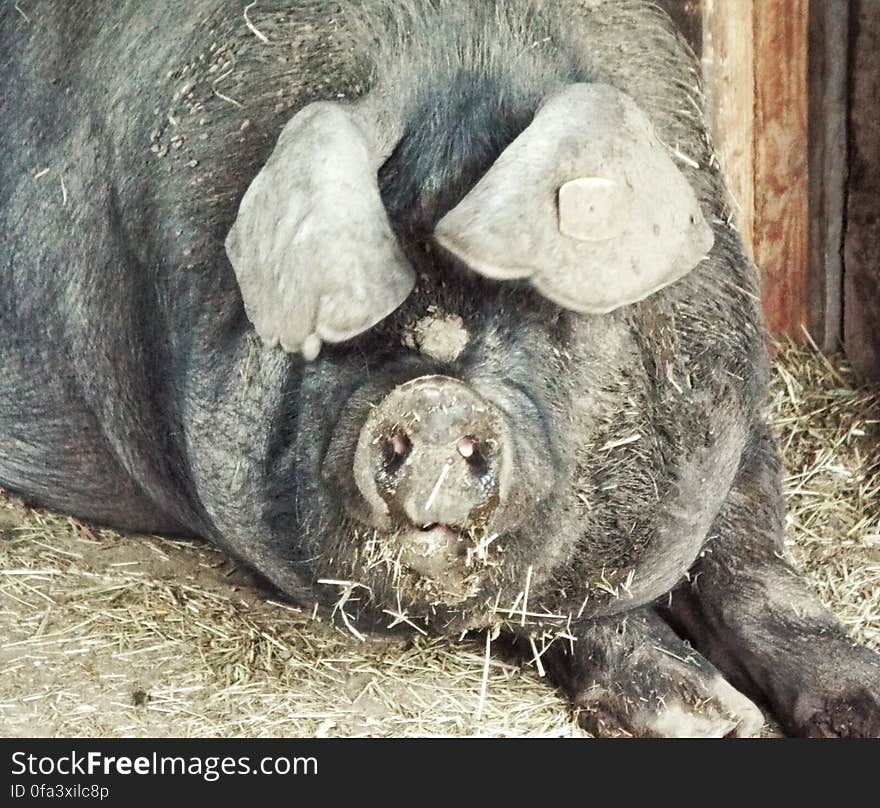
{"points": [[631, 675], [759, 622]]}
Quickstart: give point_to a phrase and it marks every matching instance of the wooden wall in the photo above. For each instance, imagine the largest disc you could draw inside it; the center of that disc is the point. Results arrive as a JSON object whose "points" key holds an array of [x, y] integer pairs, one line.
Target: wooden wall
{"points": [[861, 258], [781, 218], [828, 87], [793, 89], [754, 58]]}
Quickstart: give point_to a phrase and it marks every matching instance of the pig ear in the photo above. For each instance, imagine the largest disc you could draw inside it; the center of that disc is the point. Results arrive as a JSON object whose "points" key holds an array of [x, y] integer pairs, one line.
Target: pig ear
{"points": [[585, 203], [312, 247]]}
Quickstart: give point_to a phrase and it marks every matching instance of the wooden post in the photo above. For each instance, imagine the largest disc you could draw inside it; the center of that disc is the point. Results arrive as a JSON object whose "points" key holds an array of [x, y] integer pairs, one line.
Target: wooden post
{"points": [[781, 229], [755, 69], [729, 80], [792, 90], [828, 99], [861, 288]]}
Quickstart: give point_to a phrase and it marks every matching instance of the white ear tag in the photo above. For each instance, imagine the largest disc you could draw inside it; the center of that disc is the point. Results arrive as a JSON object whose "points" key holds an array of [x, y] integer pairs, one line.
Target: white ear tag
{"points": [[592, 209]]}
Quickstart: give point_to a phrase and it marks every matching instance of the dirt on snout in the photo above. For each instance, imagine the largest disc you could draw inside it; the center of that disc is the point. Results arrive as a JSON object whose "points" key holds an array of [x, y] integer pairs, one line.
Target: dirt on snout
{"points": [[109, 635]]}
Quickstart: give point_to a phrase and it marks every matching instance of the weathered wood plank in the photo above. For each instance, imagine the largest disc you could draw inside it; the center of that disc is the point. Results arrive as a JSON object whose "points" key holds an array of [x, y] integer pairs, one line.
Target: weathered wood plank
{"points": [[781, 231], [861, 287], [728, 71], [828, 105]]}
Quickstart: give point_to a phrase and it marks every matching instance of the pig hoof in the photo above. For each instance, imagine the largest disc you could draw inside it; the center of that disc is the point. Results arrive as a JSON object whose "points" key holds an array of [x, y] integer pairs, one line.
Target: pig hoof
{"points": [[694, 706], [853, 712]]}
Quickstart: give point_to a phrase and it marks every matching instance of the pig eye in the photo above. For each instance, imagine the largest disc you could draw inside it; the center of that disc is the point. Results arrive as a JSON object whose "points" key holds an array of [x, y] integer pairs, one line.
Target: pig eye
{"points": [[395, 451]]}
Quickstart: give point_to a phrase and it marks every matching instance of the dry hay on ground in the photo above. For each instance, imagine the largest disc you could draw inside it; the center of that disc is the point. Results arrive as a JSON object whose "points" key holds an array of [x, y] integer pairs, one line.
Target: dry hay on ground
{"points": [[107, 635]]}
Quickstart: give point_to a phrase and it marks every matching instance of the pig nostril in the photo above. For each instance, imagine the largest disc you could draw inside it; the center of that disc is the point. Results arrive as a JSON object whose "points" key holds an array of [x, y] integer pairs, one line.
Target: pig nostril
{"points": [[400, 444], [469, 449], [395, 451]]}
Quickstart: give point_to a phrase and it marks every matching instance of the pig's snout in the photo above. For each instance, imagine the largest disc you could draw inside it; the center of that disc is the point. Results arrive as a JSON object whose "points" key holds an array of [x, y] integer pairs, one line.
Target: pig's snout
{"points": [[434, 454]]}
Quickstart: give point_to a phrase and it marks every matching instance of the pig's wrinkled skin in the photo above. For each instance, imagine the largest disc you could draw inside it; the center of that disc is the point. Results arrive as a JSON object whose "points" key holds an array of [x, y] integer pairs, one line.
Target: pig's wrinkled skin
{"points": [[634, 486]]}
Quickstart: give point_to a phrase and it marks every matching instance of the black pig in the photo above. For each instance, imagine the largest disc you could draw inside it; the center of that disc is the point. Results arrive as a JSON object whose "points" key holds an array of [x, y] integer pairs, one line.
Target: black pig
{"points": [[512, 369]]}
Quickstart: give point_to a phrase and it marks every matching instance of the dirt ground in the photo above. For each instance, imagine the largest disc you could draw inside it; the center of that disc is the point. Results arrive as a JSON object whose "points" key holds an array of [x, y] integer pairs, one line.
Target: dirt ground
{"points": [[109, 635]]}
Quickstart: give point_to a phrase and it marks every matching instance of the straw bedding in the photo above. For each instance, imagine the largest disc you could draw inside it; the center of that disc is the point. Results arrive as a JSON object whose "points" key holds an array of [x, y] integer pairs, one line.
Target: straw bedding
{"points": [[106, 635]]}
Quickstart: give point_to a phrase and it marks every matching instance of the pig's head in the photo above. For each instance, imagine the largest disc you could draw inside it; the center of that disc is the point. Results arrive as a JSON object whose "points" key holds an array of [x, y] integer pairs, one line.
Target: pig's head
{"points": [[441, 333]]}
